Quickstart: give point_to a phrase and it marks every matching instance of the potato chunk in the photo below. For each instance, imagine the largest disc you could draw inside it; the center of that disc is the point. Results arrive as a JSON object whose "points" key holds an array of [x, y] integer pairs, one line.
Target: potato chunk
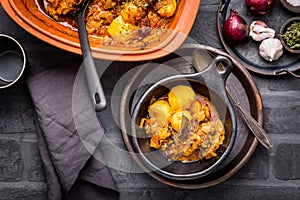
{"points": [[160, 112], [120, 28], [132, 13], [176, 119], [167, 9], [181, 97]]}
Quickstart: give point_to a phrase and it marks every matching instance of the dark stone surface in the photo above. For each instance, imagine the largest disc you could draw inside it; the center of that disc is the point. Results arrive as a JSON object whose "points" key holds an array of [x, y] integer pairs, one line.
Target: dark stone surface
{"points": [[16, 113], [23, 191], [257, 167], [236, 192], [36, 171], [9, 27], [10, 160], [282, 111], [269, 174], [287, 162]]}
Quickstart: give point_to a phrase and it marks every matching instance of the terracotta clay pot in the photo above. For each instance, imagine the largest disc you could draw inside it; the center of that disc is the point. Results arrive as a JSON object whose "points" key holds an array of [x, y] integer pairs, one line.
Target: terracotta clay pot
{"points": [[30, 16]]}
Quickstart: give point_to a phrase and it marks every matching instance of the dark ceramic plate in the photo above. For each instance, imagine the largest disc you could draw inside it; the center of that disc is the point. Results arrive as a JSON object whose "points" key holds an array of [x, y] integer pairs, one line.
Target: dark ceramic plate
{"points": [[248, 54], [240, 83]]}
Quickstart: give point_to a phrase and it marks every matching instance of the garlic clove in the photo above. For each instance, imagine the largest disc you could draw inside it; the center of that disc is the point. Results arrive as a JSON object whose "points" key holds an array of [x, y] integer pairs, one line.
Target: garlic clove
{"points": [[270, 49], [260, 31], [261, 36]]}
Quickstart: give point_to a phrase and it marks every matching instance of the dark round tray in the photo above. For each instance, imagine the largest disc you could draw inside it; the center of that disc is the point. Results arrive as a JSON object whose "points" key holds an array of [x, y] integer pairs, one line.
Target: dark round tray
{"points": [[248, 54], [242, 86]]}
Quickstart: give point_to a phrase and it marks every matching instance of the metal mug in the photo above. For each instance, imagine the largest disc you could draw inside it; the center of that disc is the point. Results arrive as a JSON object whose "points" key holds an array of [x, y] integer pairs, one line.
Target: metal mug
{"points": [[12, 61]]}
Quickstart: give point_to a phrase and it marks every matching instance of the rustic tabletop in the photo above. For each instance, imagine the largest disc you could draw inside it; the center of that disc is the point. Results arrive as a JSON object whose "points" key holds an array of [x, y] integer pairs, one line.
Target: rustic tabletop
{"points": [[269, 174]]}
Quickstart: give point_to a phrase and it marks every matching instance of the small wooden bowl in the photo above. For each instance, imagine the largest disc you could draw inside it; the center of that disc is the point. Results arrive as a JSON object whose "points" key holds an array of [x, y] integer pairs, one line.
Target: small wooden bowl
{"points": [[283, 28]]}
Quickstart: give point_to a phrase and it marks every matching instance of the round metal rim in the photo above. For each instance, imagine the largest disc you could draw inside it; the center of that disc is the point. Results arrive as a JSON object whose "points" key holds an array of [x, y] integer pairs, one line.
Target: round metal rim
{"points": [[256, 111], [24, 60], [175, 176]]}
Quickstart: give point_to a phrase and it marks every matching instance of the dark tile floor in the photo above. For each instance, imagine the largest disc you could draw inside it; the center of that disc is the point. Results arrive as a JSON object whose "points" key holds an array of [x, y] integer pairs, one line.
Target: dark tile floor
{"points": [[269, 174]]}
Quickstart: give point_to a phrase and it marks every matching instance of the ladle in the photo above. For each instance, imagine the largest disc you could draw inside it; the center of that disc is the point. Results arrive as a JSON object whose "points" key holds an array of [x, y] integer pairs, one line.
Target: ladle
{"points": [[11, 64], [201, 61], [93, 80]]}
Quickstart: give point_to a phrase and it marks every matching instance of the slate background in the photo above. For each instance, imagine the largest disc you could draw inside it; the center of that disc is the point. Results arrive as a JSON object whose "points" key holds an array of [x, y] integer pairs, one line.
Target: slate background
{"points": [[273, 174]]}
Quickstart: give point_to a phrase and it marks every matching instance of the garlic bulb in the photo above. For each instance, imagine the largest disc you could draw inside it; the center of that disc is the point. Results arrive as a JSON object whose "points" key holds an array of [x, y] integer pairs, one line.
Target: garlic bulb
{"points": [[270, 49], [260, 31]]}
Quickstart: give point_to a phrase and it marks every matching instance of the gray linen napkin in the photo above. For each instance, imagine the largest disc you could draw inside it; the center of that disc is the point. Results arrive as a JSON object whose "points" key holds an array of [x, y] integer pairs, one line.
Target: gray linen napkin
{"points": [[71, 170]]}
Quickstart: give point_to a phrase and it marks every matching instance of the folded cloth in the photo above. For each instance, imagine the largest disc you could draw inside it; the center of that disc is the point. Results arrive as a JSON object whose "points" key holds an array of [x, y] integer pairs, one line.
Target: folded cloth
{"points": [[71, 170]]}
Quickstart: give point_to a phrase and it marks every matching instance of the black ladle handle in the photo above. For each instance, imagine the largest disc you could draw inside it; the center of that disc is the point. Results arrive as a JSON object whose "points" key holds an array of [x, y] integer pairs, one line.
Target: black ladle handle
{"points": [[222, 5], [93, 80], [222, 70], [211, 72]]}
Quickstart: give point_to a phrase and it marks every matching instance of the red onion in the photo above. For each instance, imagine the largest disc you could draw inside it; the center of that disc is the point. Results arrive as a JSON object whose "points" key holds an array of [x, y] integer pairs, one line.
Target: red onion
{"points": [[260, 6], [235, 29]]}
